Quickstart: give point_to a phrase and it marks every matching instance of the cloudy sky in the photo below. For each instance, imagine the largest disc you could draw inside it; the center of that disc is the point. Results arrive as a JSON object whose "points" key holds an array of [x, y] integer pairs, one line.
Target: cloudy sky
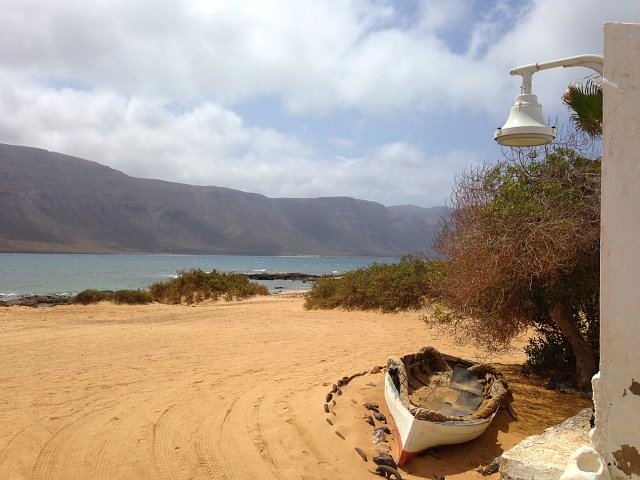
{"points": [[375, 99]]}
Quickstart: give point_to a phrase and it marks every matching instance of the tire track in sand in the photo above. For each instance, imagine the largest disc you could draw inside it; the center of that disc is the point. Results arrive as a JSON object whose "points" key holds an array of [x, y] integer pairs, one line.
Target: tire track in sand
{"points": [[238, 450], [23, 445], [207, 430], [19, 440], [63, 455], [299, 420], [272, 431], [112, 439], [162, 451]]}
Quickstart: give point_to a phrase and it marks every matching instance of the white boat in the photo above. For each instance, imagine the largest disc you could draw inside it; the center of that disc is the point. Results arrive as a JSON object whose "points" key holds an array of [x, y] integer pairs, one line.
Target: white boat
{"points": [[437, 399]]}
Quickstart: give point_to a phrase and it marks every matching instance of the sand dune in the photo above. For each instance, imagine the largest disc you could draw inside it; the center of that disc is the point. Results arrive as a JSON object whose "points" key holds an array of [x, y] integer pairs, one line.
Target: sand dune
{"points": [[217, 391]]}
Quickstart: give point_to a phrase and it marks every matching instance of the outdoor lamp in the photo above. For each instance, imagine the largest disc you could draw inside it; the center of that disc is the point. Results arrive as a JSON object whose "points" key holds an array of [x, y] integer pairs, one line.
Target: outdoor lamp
{"points": [[525, 126]]}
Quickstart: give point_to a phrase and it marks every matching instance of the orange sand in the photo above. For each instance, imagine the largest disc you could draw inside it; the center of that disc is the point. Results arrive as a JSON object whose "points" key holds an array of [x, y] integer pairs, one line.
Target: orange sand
{"points": [[224, 390]]}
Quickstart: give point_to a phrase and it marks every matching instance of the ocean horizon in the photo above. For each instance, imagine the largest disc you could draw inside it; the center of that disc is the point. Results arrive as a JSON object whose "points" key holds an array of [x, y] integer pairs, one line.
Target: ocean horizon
{"points": [[24, 274]]}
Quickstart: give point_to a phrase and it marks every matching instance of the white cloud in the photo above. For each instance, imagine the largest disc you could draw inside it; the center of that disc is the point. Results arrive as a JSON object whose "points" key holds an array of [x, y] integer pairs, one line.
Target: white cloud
{"points": [[150, 86], [316, 55], [441, 15], [211, 145], [549, 30]]}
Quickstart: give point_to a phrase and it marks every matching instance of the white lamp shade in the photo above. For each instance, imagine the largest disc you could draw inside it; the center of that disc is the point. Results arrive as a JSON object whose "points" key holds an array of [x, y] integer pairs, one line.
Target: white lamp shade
{"points": [[525, 126]]}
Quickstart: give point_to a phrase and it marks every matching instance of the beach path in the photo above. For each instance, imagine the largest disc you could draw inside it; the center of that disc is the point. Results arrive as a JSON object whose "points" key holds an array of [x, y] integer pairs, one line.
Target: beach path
{"points": [[215, 391]]}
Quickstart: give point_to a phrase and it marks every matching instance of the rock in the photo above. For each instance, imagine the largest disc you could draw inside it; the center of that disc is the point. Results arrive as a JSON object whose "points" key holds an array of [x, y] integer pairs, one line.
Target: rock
{"points": [[545, 456], [385, 459], [380, 417], [305, 277], [383, 449], [378, 436], [376, 369], [371, 406], [388, 472], [492, 468], [37, 301], [361, 453]]}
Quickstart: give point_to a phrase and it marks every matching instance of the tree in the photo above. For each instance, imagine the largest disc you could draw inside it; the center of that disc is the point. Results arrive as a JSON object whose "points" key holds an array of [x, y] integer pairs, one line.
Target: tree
{"points": [[585, 100], [522, 239]]}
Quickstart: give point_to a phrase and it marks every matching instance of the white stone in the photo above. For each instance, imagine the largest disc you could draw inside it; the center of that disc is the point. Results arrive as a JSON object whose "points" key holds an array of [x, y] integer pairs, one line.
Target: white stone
{"points": [[585, 464], [545, 456]]}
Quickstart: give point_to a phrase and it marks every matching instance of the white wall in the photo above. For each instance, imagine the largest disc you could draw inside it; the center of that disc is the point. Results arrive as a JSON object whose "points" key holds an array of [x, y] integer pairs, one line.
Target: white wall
{"points": [[617, 435]]}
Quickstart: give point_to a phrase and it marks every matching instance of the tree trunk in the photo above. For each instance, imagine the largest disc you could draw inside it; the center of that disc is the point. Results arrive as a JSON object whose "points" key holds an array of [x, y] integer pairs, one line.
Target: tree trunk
{"points": [[585, 362]]}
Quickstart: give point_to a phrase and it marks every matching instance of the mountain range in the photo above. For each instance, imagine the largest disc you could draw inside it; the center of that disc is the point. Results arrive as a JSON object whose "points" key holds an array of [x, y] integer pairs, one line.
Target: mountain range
{"points": [[50, 202]]}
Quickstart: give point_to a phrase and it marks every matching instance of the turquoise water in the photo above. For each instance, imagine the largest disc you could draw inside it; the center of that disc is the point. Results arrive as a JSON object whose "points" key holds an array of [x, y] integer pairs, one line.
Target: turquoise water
{"points": [[30, 273]]}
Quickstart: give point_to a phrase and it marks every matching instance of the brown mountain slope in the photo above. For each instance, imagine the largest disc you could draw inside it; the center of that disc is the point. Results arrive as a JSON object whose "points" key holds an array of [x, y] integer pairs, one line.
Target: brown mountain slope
{"points": [[56, 203]]}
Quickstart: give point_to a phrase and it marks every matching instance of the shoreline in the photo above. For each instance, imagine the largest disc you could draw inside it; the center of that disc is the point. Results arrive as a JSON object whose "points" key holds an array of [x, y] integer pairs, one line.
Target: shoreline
{"points": [[28, 300], [53, 299], [35, 274]]}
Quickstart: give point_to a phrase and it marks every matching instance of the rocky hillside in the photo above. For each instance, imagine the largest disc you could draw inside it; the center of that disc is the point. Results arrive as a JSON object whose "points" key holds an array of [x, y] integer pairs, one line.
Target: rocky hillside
{"points": [[57, 203]]}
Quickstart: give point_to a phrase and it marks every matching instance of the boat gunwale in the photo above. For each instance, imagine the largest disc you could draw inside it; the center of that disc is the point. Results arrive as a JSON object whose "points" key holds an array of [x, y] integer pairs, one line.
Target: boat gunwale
{"points": [[476, 421], [493, 398]]}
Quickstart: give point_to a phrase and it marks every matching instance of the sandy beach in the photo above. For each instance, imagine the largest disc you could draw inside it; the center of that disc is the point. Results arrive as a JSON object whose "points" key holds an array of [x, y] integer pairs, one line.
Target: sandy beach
{"points": [[220, 391]]}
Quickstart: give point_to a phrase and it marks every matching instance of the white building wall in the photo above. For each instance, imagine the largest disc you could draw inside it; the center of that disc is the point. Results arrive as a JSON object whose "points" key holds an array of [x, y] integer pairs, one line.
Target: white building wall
{"points": [[617, 393]]}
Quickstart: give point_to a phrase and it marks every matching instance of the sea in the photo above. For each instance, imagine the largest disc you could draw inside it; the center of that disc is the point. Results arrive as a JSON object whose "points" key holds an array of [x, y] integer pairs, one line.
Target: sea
{"points": [[42, 274]]}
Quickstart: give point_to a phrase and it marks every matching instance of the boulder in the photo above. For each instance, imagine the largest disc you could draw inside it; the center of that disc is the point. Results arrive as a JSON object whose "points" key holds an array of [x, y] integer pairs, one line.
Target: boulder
{"points": [[545, 456]]}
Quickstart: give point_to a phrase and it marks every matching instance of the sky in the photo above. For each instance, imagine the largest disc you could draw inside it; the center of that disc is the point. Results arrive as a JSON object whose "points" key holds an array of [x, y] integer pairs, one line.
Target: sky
{"points": [[374, 99]]}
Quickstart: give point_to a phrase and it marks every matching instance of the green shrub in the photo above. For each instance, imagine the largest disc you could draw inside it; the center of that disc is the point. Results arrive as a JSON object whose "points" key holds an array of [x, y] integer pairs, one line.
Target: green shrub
{"points": [[91, 296], [386, 287], [130, 297], [190, 286], [550, 353], [193, 286], [325, 294]]}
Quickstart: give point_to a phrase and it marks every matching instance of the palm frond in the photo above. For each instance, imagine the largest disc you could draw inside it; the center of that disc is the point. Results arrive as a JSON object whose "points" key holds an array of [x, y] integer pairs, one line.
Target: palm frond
{"points": [[586, 102]]}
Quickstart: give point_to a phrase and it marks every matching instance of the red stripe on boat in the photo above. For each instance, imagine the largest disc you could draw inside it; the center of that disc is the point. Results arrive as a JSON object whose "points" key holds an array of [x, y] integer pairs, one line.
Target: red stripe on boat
{"points": [[404, 455]]}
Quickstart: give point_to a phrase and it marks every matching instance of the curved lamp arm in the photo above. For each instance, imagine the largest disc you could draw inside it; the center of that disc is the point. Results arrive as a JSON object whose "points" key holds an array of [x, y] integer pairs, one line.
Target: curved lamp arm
{"points": [[594, 62]]}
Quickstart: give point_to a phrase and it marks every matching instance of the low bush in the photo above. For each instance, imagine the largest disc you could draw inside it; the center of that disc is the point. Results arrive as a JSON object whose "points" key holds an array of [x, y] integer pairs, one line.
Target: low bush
{"points": [[131, 297], [189, 287], [386, 287], [128, 297], [325, 294], [192, 286], [91, 296]]}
